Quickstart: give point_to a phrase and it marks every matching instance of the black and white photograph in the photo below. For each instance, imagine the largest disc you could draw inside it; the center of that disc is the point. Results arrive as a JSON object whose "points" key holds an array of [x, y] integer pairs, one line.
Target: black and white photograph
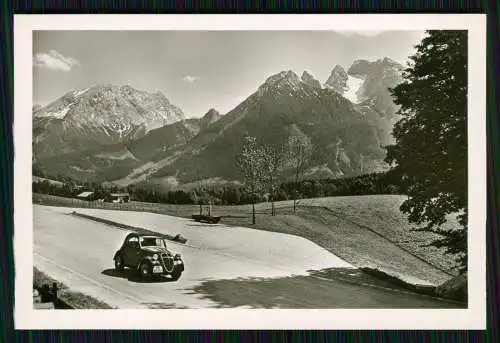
{"points": [[270, 168]]}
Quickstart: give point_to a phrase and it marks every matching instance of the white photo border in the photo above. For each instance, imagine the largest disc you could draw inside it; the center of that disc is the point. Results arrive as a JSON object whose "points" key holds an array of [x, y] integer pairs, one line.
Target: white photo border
{"points": [[474, 317]]}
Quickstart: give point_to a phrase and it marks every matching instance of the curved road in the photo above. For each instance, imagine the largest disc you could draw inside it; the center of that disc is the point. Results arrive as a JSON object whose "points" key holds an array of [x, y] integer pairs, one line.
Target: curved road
{"points": [[225, 266]]}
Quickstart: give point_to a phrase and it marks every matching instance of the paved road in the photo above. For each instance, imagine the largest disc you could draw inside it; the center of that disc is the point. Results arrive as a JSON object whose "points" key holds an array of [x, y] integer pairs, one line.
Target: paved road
{"points": [[225, 266]]}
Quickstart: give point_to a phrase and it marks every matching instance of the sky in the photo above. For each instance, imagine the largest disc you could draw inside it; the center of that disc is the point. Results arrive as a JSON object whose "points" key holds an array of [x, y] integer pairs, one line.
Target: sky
{"points": [[199, 70]]}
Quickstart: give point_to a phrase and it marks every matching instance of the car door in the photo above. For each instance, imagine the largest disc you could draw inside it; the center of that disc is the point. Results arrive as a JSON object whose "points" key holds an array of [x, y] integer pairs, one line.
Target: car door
{"points": [[131, 251]]}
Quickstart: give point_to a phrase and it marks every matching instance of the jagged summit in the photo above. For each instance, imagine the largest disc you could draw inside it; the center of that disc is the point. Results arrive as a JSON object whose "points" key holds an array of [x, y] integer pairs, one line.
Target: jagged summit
{"points": [[337, 79], [283, 83], [307, 78], [364, 67], [112, 100], [339, 68], [212, 115], [283, 77]]}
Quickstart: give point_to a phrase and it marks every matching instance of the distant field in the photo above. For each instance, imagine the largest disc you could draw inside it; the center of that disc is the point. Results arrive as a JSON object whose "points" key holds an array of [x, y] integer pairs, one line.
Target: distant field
{"points": [[363, 230]]}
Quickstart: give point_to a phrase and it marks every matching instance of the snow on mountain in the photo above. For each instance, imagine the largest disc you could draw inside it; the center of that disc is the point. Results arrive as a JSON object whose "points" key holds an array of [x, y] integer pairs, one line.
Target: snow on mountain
{"points": [[349, 86], [352, 89]]}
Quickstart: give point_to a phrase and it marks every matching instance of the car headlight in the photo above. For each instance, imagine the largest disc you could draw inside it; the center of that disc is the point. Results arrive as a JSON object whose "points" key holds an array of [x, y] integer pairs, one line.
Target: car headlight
{"points": [[155, 257]]}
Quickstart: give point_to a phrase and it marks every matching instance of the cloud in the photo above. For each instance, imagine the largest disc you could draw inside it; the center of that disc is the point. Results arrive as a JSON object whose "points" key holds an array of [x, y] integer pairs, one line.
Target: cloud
{"points": [[190, 79], [53, 60]]}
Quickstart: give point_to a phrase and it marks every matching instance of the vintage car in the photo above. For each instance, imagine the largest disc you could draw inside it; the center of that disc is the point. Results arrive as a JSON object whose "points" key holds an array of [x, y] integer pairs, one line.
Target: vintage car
{"points": [[149, 256]]}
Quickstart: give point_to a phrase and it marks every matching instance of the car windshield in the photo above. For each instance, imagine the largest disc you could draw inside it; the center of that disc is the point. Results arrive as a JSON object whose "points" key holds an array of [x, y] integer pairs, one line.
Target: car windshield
{"points": [[153, 242]]}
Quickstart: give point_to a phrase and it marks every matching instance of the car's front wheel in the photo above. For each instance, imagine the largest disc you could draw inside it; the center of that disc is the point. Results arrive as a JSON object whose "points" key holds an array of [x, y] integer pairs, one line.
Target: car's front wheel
{"points": [[176, 274], [119, 263], [145, 270]]}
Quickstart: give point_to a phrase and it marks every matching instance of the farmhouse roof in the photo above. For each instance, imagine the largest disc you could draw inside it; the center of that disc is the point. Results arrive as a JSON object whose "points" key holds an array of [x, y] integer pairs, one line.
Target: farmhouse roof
{"points": [[119, 194], [85, 194]]}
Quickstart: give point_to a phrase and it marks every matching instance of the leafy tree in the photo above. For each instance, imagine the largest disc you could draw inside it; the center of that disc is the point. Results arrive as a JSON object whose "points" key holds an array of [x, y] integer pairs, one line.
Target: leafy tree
{"points": [[300, 151], [431, 138], [249, 162], [272, 163]]}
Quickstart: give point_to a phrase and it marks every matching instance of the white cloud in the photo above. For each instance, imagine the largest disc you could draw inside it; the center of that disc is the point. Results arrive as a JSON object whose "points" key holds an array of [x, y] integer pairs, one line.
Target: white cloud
{"points": [[190, 79], [53, 60]]}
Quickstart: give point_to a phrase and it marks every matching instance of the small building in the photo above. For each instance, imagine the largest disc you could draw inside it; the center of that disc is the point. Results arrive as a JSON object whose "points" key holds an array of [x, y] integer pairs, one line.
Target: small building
{"points": [[89, 196], [118, 197]]}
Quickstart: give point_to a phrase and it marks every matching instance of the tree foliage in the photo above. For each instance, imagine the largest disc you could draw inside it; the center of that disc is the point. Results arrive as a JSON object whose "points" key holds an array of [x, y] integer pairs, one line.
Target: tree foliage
{"points": [[273, 163], [430, 152], [299, 154], [250, 163]]}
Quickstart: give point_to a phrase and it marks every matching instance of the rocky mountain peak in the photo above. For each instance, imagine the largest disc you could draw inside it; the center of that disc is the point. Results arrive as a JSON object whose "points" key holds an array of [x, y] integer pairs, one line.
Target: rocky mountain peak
{"points": [[310, 80], [337, 79], [338, 69], [359, 67], [364, 67], [284, 82], [212, 115], [283, 77]]}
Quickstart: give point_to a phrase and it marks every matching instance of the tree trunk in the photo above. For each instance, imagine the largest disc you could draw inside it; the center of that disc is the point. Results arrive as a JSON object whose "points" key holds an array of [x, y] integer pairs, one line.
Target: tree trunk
{"points": [[201, 208], [272, 208], [295, 194], [253, 212]]}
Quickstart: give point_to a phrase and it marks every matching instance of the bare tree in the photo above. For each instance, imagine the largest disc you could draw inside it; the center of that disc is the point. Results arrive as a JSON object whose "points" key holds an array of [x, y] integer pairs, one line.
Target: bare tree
{"points": [[299, 154], [249, 162], [273, 164]]}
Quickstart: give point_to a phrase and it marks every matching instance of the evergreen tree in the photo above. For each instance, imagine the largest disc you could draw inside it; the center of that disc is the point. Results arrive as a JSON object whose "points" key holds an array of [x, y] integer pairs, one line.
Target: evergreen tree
{"points": [[431, 138]]}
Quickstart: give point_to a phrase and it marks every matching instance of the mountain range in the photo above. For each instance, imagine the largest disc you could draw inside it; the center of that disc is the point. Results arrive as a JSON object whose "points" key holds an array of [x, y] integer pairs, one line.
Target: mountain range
{"points": [[119, 135]]}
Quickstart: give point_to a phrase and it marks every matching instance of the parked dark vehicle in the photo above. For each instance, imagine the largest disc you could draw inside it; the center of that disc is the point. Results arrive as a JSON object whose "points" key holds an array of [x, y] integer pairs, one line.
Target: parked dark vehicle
{"points": [[202, 218], [149, 256]]}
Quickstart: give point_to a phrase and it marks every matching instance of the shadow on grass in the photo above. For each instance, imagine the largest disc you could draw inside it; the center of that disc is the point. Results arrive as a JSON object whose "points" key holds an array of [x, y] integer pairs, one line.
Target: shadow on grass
{"points": [[332, 288], [133, 276]]}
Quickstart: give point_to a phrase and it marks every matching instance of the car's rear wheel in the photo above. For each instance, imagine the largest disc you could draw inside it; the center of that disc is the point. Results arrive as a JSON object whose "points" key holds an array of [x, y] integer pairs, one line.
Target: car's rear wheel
{"points": [[119, 263], [145, 270]]}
